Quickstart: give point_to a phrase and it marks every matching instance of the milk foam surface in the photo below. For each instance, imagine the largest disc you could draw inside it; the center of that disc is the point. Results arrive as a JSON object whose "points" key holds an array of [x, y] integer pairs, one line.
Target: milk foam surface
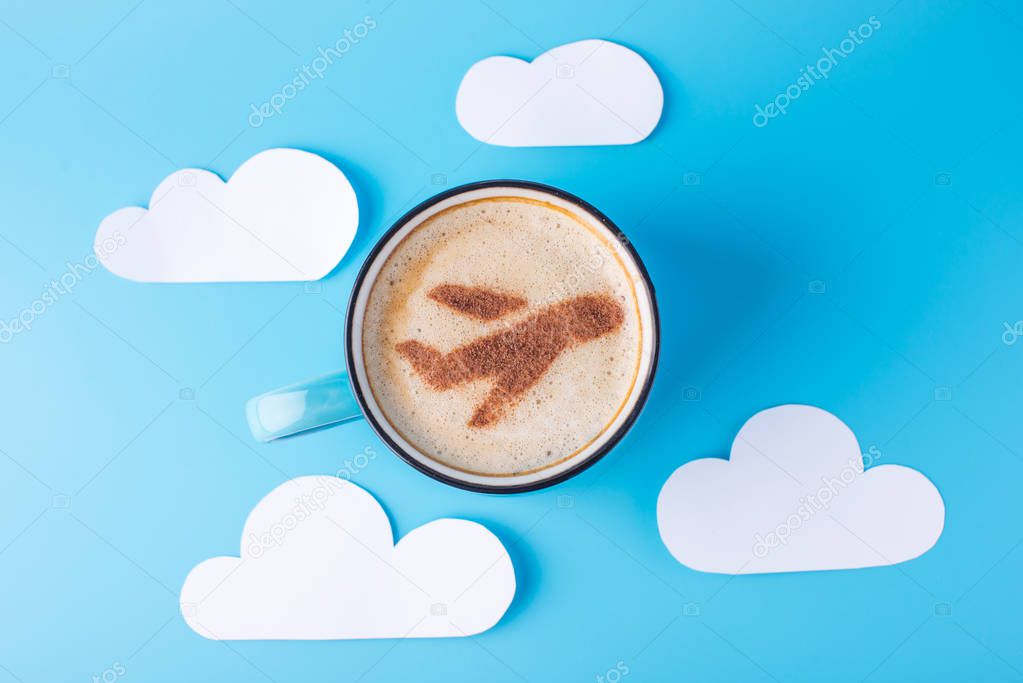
{"points": [[524, 248]]}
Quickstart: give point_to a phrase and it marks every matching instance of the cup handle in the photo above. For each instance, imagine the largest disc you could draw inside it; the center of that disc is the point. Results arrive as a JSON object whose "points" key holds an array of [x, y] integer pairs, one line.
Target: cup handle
{"points": [[317, 402]]}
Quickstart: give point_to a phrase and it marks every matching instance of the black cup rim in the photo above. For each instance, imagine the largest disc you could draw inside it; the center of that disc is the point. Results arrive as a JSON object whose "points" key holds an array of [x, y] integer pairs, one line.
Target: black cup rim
{"points": [[582, 465]]}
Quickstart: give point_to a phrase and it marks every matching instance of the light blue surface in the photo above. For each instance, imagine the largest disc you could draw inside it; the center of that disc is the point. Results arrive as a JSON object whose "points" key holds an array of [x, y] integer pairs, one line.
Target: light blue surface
{"points": [[114, 486]]}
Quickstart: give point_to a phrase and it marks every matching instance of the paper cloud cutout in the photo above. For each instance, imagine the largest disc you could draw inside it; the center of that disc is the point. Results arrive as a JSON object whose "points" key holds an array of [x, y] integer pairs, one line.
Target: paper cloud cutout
{"points": [[794, 496], [284, 215], [591, 92], [318, 562]]}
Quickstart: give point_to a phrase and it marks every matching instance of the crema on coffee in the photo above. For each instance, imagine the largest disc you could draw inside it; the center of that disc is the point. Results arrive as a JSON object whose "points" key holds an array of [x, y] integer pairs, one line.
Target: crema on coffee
{"points": [[503, 336]]}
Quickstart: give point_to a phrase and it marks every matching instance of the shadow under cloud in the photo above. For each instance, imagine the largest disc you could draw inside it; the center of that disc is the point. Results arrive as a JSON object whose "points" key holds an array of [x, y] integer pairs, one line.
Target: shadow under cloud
{"points": [[368, 194], [526, 570]]}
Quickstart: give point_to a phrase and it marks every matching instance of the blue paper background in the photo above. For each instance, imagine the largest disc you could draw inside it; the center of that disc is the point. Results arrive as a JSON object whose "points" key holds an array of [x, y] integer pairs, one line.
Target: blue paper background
{"points": [[896, 183]]}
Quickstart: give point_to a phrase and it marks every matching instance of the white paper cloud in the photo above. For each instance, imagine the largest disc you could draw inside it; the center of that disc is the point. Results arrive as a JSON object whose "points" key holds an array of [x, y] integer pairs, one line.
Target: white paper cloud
{"points": [[794, 496], [591, 92], [318, 562], [284, 215]]}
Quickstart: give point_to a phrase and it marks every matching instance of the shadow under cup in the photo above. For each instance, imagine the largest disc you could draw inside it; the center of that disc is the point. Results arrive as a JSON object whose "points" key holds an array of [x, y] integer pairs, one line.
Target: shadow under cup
{"points": [[333, 399]]}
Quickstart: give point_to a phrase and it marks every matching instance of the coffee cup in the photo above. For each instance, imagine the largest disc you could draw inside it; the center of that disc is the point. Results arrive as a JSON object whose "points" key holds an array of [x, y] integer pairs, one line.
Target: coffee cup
{"points": [[501, 337]]}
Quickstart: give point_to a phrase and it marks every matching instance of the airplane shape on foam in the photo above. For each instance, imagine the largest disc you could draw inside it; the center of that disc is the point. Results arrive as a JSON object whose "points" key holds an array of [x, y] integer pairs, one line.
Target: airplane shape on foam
{"points": [[514, 358]]}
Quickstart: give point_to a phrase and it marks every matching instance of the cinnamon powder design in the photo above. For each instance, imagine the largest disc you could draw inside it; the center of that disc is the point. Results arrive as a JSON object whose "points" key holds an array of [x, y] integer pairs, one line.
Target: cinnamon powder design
{"points": [[515, 358], [476, 302]]}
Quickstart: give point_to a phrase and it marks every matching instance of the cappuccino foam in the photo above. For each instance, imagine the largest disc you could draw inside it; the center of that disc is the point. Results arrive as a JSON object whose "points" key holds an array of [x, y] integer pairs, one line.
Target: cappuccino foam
{"points": [[502, 336]]}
